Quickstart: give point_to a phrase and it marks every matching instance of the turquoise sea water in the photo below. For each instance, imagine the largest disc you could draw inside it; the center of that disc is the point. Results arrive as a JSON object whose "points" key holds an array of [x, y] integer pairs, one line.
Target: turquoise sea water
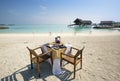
{"points": [[53, 28]]}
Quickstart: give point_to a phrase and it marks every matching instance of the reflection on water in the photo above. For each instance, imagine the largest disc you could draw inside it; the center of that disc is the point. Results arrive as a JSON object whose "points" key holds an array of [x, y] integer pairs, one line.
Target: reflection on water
{"points": [[89, 29], [79, 29]]}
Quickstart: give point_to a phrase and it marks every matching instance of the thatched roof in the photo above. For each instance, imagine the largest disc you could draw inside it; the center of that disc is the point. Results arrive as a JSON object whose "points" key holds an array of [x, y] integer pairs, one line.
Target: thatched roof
{"points": [[82, 22], [106, 22], [86, 22], [78, 21]]}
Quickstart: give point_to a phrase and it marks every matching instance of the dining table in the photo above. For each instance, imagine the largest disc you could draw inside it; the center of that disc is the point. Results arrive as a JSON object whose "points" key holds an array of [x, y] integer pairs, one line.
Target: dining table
{"points": [[56, 49]]}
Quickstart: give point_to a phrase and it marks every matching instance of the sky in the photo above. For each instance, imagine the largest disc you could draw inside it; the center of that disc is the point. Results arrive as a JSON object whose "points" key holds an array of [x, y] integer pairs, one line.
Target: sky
{"points": [[57, 11]]}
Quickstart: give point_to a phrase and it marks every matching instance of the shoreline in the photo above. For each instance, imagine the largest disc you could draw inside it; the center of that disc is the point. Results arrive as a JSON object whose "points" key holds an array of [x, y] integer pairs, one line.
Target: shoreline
{"points": [[61, 34]]}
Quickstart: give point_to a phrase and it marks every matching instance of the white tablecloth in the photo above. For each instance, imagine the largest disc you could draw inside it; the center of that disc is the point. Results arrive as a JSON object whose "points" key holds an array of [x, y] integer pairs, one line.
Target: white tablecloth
{"points": [[56, 67]]}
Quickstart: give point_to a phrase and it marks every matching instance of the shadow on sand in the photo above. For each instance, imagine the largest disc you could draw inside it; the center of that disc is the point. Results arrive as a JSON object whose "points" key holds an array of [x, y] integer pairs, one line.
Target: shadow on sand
{"points": [[26, 73]]}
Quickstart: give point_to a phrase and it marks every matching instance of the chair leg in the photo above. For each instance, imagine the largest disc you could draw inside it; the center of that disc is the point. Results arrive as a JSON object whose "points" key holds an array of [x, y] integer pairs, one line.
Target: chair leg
{"points": [[31, 65], [51, 60], [61, 63], [81, 64], [74, 70], [38, 67]]}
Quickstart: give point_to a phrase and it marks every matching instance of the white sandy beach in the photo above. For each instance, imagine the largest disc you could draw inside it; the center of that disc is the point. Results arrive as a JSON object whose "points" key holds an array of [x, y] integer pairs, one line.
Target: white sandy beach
{"points": [[101, 57]]}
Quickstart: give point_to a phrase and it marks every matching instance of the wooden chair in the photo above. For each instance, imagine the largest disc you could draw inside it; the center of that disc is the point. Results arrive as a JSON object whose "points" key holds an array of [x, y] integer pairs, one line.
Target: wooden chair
{"points": [[38, 58], [73, 59]]}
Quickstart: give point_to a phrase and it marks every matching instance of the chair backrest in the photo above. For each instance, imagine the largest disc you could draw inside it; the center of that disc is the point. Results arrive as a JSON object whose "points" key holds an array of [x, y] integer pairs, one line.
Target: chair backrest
{"points": [[79, 52], [32, 52]]}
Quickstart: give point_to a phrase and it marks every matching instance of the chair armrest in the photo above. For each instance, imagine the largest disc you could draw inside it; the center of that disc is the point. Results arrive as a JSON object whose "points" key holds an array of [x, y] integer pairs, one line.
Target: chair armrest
{"points": [[69, 55], [36, 48], [78, 49], [44, 53], [75, 48]]}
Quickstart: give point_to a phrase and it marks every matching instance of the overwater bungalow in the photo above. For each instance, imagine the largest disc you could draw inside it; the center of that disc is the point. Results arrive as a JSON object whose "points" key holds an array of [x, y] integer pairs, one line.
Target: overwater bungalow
{"points": [[81, 22], [86, 22], [78, 21], [117, 24], [107, 24]]}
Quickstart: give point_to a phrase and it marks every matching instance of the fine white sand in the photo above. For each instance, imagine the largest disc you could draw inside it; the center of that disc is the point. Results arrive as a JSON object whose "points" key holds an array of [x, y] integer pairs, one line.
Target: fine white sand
{"points": [[101, 57]]}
